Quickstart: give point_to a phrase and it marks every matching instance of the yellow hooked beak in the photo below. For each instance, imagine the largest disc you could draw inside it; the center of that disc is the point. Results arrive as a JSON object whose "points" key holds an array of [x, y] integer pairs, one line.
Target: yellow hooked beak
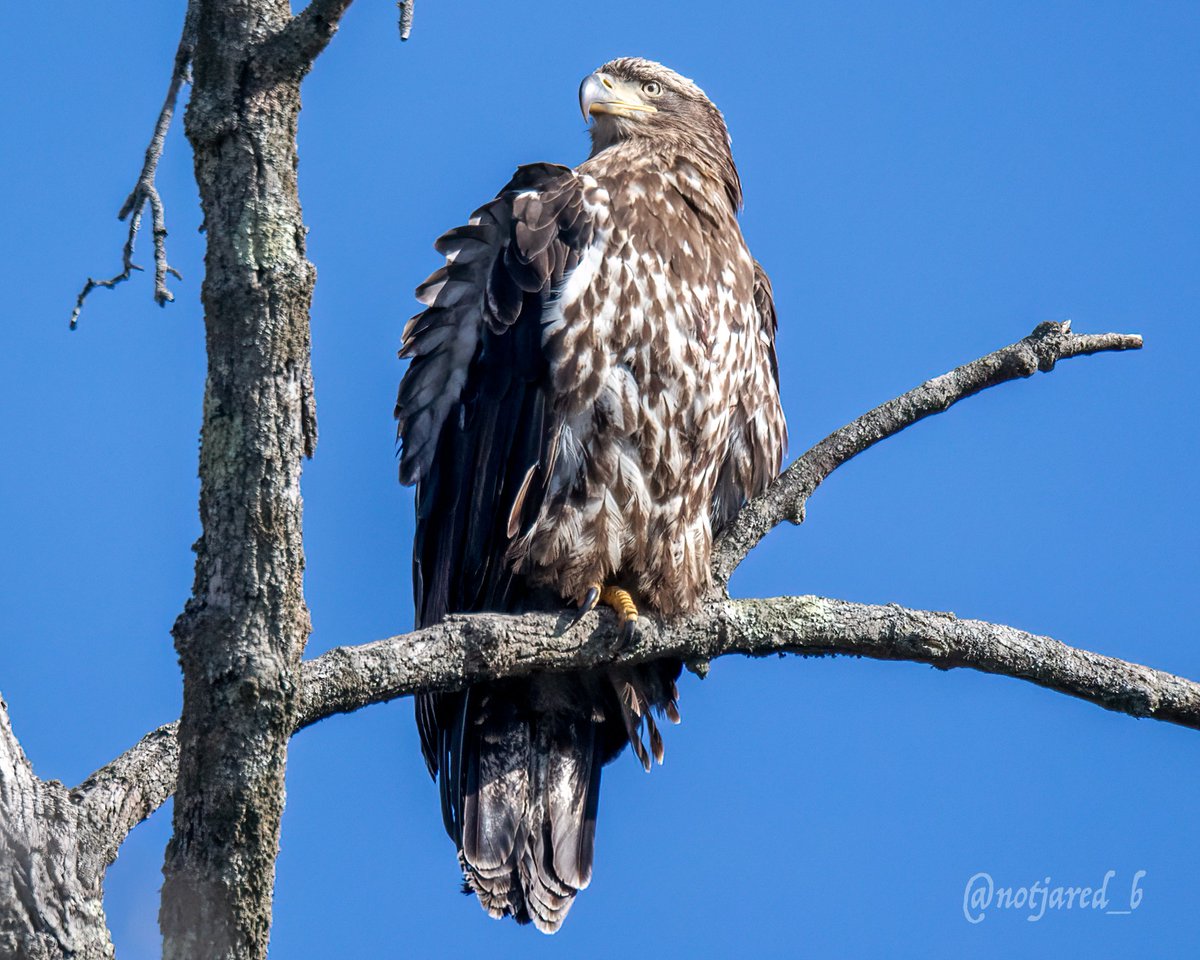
{"points": [[601, 94]]}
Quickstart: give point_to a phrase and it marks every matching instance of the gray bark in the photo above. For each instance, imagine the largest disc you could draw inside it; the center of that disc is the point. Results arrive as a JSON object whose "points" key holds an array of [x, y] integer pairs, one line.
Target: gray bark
{"points": [[97, 815], [242, 634], [470, 649], [51, 880]]}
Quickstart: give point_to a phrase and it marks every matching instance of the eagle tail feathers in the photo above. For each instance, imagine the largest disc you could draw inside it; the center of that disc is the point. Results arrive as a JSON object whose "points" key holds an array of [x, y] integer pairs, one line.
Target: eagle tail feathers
{"points": [[528, 800], [519, 764]]}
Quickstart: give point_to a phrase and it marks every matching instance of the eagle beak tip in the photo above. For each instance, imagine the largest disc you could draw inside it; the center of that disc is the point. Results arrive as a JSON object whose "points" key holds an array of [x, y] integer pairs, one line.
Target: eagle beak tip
{"points": [[591, 91]]}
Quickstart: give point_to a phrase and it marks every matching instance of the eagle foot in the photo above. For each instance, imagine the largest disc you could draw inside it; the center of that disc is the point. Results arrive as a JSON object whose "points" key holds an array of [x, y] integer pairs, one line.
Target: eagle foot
{"points": [[621, 603], [626, 610]]}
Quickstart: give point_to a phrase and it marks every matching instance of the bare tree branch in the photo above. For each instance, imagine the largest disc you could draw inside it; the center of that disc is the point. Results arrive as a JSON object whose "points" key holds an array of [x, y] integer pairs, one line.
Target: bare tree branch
{"points": [[123, 793], [145, 192], [94, 818], [471, 649], [406, 16], [292, 51], [785, 499]]}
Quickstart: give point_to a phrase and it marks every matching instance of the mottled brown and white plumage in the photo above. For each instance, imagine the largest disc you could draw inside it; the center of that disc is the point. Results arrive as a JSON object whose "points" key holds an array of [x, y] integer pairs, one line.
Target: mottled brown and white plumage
{"points": [[593, 391]]}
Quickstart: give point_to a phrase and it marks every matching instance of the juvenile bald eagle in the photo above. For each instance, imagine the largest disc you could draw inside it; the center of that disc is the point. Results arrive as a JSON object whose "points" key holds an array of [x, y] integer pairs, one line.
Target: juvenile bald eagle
{"points": [[593, 392]]}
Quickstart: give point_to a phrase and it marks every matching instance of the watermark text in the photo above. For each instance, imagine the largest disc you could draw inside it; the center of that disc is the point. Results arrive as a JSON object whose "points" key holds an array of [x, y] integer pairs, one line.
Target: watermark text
{"points": [[1111, 897]]}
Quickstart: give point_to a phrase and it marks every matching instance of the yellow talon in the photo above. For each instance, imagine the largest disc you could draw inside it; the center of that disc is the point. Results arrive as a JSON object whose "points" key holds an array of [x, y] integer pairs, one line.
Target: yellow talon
{"points": [[619, 600], [626, 610]]}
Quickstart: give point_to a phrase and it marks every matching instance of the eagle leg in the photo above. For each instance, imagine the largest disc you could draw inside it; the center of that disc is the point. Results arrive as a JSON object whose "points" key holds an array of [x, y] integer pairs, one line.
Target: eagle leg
{"points": [[621, 603], [626, 610]]}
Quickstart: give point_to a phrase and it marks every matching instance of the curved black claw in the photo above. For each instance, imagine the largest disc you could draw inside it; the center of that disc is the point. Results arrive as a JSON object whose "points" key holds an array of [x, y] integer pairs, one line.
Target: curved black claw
{"points": [[591, 598], [627, 636], [586, 605]]}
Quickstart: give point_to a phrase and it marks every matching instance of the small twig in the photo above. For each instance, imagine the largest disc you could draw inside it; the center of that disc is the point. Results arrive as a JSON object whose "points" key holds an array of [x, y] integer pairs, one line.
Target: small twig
{"points": [[145, 192], [785, 499], [406, 14]]}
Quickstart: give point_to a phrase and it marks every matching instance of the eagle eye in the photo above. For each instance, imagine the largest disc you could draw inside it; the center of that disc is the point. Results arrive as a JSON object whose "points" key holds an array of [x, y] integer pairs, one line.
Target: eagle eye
{"points": [[652, 88]]}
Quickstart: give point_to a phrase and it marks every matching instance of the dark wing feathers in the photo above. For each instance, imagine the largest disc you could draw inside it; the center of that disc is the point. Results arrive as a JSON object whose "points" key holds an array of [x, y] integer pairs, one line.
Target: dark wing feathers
{"points": [[477, 435], [477, 358], [499, 268]]}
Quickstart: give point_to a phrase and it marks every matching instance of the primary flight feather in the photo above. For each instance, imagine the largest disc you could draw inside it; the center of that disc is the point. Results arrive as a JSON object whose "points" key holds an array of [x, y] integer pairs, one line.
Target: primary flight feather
{"points": [[592, 393]]}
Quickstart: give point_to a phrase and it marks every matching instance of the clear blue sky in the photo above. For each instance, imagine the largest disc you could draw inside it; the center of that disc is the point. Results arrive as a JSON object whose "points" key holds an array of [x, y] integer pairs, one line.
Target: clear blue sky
{"points": [[925, 182]]}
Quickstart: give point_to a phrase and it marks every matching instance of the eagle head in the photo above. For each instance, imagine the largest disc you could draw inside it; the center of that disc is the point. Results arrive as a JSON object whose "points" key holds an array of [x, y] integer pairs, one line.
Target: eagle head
{"points": [[658, 111]]}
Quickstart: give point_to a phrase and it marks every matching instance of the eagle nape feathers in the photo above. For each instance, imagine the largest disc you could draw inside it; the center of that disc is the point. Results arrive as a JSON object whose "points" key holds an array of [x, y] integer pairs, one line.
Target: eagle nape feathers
{"points": [[592, 393]]}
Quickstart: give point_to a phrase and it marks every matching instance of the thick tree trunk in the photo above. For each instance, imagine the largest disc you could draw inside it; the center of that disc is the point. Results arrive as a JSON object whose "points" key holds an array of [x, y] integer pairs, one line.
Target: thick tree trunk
{"points": [[241, 636], [51, 876]]}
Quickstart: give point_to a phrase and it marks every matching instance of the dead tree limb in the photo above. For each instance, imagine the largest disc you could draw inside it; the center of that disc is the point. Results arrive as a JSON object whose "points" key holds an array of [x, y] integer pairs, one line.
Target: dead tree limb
{"points": [[467, 649], [50, 883], [785, 499], [146, 192], [292, 51], [405, 9]]}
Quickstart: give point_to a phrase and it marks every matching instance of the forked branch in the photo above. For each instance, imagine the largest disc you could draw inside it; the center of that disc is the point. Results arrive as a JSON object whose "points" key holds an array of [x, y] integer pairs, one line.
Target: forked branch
{"points": [[145, 192], [293, 50]]}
